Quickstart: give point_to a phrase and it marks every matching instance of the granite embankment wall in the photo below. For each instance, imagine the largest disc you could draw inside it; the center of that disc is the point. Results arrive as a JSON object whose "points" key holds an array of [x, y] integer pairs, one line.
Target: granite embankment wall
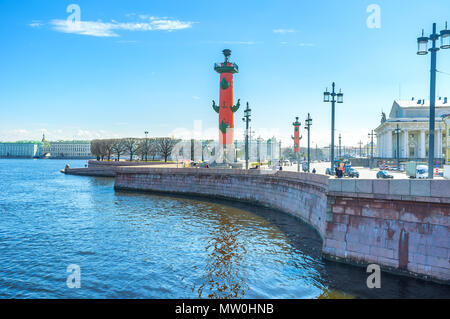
{"points": [[106, 168], [402, 225]]}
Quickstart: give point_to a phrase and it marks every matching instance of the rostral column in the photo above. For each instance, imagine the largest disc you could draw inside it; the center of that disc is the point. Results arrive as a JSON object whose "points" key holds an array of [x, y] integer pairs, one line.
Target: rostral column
{"points": [[296, 136], [226, 108]]}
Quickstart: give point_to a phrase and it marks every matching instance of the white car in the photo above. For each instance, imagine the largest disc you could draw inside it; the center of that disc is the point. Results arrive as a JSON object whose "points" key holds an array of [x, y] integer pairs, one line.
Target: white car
{"points": [[422, 171]]}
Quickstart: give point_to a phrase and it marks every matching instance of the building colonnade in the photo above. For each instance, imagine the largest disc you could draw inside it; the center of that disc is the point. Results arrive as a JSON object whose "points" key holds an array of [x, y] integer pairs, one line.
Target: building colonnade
{"points": [[413, 143]]}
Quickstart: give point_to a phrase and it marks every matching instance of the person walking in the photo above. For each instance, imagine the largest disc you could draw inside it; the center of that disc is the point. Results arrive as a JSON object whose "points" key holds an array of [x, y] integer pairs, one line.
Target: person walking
{"points": [[340, 170]]}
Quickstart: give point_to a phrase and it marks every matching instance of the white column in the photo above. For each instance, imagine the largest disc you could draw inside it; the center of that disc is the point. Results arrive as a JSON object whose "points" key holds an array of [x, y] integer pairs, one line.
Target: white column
{"points": [[378, 146], [438, 143], [422, 144], [389, 144], [405, 144], [382, 144]]}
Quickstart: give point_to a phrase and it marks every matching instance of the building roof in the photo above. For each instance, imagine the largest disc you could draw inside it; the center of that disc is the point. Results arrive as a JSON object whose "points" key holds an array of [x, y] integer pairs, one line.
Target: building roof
{"points": [[416, 109], [422, 103]]}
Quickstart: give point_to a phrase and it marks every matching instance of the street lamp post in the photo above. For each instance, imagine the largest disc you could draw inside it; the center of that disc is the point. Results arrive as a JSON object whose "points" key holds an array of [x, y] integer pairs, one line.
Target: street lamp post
{"points": [[371, 135], [397, 131], [146, 145], [339, 152], [422, 44], [279, 153], [258, 150], [335, 97], [308, 123], [250, 134], [204, 143], [360, 150], [246, 119]]}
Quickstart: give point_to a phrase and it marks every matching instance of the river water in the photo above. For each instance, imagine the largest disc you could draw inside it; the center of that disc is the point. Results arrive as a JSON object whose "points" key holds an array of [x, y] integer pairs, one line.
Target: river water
{"points": [[134, 245]]}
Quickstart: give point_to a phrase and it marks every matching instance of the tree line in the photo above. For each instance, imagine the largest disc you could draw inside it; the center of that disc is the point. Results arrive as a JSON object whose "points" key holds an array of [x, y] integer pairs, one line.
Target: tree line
{"points": [[145, 148]]}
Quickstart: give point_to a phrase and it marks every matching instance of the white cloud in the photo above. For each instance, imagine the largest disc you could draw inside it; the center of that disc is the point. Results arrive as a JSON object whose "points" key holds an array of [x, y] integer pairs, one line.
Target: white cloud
{"points": [[109, 29], [283, 42], [283, 31], [36, 24], [306, 44], [97, 29], [86, 134]]}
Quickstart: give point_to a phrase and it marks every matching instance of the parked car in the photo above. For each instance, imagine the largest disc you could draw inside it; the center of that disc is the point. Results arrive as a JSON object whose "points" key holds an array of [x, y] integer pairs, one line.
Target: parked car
{"points": [[384, 174], [351, 172], [422, 171]]}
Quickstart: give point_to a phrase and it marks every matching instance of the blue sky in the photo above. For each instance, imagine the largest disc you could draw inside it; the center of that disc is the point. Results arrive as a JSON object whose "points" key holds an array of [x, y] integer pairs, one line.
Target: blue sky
{"points": [[148, 65]]}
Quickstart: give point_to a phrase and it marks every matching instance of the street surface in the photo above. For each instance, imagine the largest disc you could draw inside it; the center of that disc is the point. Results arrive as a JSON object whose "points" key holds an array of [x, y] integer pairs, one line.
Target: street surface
{"points": [[364, 172]]}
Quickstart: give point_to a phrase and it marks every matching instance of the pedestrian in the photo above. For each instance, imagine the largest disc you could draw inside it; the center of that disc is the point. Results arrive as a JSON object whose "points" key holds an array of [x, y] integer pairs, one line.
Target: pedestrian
{"points": [[338, 172], [314, 170]]}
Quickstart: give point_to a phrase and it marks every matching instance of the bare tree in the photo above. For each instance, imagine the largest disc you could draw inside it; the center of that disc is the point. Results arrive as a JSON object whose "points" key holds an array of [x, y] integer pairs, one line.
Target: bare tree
{"points": [[165, 146], [144, 148], [107, 148], [96, 148], [154, 148], [131, 146], [118, 147]]}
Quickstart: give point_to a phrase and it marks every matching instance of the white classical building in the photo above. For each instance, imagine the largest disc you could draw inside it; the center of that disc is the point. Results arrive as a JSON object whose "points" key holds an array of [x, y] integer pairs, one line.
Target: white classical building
{"points": [[20, 149], [411, 118], [68, 149]]}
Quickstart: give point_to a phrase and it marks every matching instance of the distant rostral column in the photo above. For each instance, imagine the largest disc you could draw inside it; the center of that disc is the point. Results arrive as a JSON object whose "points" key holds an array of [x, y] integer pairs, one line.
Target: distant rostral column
{"points": [[226, 108], [297, 139], [296, 136]]}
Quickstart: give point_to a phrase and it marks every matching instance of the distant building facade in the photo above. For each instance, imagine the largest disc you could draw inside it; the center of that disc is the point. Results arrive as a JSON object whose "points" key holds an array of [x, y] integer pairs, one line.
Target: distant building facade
{"points": [[20, 150], [446, 119], [411, 116], [68, 149]]}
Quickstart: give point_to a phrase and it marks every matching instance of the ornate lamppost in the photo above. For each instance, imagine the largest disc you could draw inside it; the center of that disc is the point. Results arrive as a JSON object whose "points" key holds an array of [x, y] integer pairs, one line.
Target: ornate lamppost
{"points": [[335, 97], [422, 49], [246, 119]]}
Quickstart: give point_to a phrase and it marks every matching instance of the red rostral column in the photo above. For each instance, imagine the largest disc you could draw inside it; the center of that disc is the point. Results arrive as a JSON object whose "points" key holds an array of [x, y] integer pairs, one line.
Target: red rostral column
{"points": [[226, 109], [296, 136]]}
